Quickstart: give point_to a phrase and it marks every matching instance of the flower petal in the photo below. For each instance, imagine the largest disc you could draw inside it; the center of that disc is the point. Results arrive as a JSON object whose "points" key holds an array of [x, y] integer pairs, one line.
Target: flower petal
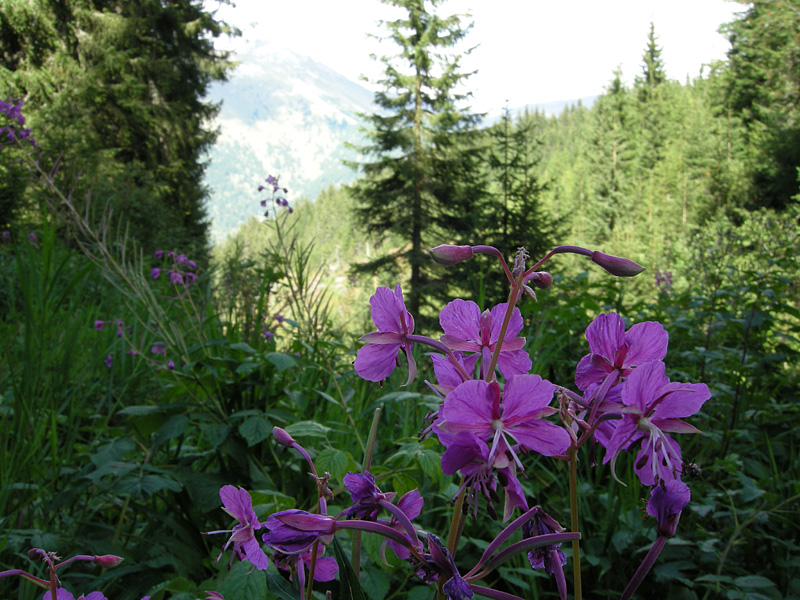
{"points": [[646, 341], [375, 362], [460, 319], [605, 335]]}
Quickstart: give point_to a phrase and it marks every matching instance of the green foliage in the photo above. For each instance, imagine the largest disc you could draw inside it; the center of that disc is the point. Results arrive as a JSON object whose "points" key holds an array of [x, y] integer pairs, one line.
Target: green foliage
{"points": [[420, 178], [117, 92]]}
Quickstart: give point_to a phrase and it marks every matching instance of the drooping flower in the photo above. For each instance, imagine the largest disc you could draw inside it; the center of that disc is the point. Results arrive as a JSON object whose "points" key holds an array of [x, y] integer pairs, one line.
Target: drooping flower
{"points": [[469, 330], [549, 558], [612, 349], [440, 564], [667, 500], [292, 531], [238, 504], [366, 496], [377, 359], [325, 568], [653, 408]]}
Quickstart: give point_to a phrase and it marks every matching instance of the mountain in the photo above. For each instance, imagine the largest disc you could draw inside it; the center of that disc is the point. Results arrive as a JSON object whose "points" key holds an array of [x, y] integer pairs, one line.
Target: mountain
{"points": [[285, 115]]}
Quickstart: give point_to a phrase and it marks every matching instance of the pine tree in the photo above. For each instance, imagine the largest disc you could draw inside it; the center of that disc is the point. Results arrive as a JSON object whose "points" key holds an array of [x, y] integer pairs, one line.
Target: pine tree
{"points": [[117, 89], [420, 173]]}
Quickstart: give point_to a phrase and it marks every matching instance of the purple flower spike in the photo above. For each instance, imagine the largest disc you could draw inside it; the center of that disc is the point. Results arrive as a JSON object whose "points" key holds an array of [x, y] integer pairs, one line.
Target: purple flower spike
{"points": [[238, 504], [667, 500], [377, 360], [612, 349], [655, 407], [469, 330], [292, 531]]}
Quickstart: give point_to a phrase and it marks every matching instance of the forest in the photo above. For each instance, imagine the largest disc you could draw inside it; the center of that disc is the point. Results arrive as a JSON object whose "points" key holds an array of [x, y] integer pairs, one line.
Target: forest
{"points": [[185, 420]]}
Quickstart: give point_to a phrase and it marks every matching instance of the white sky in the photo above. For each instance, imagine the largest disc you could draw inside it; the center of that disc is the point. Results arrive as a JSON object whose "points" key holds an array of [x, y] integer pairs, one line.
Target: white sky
{"points": [[529, 51]]}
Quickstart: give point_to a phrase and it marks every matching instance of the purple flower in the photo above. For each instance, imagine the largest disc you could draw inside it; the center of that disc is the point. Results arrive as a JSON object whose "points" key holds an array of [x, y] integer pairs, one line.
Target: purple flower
{"points": [[170, 365], [410, 504], [267, 334], [159, 254], [653, 408], [157, 348], [440, 563], [155, 272], [62, 594], [5, 236], [549, 558], [293, 531], [449, 255], [377, 360], [109, 361], [238, 504], [324, 570], [175, 278], [211, 596], [365, 495], [612, 349], [190, 278], [448, 376], [279, 318], [181, 259], [98, 325], [667, 500], [476, 407], [469, 330], [32, 238]]}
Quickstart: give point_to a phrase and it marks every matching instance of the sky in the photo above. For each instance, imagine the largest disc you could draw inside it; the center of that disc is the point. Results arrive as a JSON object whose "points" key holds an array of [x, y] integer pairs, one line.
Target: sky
{"points": [[527, 51]]}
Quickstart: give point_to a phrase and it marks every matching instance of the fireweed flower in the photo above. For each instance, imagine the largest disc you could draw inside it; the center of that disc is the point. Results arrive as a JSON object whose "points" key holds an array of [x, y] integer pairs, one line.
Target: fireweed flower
{"points": [[469, 330], [98, 325], [62, 594], [293, 531], [366, 496], [325, 568], [612, 349], [439, 563], [653, 408], [667, 500], [155, 272], [481, 433], [238, 504], [377, 360], [157, 348]]}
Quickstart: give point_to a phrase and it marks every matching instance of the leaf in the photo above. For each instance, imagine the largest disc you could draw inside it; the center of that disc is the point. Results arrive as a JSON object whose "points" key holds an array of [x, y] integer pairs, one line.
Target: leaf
{"points": [[753, 581], [333, 461], [375, 583], [244, 583], [281, 588], [281, 361], [349, 588], [243, 347], [255, 430], [174, 427], [307, 429]]}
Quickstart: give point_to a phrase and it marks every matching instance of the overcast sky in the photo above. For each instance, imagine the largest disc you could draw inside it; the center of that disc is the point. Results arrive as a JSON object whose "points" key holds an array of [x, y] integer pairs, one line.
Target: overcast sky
{"points": [[528, 51]]}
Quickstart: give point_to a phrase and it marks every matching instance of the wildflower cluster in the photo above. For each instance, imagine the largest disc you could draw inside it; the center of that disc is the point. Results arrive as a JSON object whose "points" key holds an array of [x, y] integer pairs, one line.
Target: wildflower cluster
{"points": [[178, 269], [278, 196], [14, 130], [493, 414]]}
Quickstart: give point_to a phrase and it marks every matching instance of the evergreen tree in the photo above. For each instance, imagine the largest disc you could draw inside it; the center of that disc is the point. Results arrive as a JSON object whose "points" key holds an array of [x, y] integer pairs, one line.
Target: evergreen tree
{"points": [[420, 173], [653, 73], [763, 92], [117, 89]]}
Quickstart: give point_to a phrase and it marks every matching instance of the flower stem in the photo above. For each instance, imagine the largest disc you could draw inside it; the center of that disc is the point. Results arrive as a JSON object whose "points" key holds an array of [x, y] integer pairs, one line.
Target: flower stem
{"points": [[573, 509], [455, 522], [355, 557], [311, 568]]}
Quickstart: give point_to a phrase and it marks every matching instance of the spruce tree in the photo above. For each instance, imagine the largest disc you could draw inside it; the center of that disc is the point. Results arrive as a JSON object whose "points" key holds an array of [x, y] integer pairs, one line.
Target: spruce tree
{"points": [[420, 168], [117, 89]]}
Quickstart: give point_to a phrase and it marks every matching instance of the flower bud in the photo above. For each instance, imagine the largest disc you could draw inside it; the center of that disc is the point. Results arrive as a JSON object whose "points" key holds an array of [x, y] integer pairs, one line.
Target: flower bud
{"points": [[282, 436], [620, 267], [108, 561], [448, 255], [541, 280]]}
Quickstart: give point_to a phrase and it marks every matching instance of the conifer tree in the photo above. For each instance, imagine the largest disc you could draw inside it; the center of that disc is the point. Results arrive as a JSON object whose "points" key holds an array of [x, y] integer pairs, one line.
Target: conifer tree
{"points": [[117, 89], [420, 169]]}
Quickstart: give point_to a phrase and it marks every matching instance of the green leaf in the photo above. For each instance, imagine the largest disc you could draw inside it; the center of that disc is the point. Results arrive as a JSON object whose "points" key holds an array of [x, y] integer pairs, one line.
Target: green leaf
{"points": [[174, 427], [333, 461], [281, 588], [307, 429], [244, 583], [349, 588], [255, 430], [243, 347], [281, 361], [375, 583], [753, 581]]}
